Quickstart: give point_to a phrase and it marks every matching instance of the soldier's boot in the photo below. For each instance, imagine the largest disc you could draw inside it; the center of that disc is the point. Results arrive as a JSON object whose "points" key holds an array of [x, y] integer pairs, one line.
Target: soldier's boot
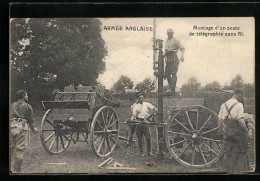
{"points": [[18, 160], [242, 163], [173, 82], [149, 147], [140, 144], [18, 165], [12, 163], [227, 163]]}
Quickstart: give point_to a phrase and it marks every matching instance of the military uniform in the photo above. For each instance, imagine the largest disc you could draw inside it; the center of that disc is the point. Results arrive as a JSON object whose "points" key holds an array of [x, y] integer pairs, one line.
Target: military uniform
{"points": [[21, 119], [172, 62], [235, 139], [132, 127], [141, 111]]}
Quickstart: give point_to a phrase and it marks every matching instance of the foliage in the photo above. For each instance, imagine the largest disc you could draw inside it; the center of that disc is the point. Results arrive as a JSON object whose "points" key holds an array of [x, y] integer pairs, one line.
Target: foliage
{"points": [[147, 85], [122, 84], [191, 88], [54, 53], [237, 82], [213, 86], [249, 90], [227, 87]]}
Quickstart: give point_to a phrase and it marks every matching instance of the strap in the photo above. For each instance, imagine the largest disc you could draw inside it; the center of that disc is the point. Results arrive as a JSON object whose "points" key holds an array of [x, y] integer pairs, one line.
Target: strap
{"points": [[229, 110]]}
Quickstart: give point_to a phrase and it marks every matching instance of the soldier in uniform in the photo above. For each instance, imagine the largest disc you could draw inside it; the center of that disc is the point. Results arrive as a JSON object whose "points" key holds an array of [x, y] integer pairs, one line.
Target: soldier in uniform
{"points": [[235, 133], [22, 119], [172, 61], [142, 112], [133, 103]]}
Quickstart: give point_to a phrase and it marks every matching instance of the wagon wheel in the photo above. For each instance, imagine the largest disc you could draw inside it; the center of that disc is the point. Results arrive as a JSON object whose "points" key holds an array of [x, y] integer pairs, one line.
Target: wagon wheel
{"points": [[55, 135], [192, 137], [104, 131]]}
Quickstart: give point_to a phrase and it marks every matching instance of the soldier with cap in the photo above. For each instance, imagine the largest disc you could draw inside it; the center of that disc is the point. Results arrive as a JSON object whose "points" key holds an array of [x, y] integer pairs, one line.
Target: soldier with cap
{"points": [[172, 61], [22, 119], [133, 102], [235, 133], [142, 112]]}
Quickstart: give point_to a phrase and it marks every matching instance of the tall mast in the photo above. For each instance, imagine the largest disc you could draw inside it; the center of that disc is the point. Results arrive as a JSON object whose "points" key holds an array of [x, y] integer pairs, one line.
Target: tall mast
{"points": [[158, 67], [154, 43]]}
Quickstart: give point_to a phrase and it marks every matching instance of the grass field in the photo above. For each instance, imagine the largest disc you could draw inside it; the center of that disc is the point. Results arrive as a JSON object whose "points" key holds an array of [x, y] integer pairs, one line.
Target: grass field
{"points": [[79, 157]]}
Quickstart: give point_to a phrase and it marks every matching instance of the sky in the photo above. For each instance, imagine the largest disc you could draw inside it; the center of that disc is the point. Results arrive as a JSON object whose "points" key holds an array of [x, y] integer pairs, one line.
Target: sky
{"points": [[210, 59]]}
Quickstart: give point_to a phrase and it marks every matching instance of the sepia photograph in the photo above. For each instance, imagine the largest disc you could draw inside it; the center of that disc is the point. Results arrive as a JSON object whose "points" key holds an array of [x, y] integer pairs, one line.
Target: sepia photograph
{"points": [[132, 95]]}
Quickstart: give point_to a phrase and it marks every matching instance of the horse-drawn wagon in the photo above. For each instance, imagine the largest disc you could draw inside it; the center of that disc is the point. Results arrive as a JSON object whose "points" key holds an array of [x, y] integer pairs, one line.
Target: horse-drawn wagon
{"points": [[81, 112], [191, 133]]}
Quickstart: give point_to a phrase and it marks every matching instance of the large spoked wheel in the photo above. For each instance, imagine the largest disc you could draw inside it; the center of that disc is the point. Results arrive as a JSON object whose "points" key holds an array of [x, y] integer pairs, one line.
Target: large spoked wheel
{"points": [[104, 131], [55, 135], [192, 137]]}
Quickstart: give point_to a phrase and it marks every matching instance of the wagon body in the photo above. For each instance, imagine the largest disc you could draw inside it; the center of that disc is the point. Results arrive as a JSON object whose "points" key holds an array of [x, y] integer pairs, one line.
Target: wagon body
{"points": [[78, 104], [82, 113]]}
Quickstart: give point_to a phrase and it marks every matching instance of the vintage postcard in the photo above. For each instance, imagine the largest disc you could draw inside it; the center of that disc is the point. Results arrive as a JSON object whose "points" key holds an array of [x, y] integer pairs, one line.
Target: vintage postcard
{"points": [[132, 95]]}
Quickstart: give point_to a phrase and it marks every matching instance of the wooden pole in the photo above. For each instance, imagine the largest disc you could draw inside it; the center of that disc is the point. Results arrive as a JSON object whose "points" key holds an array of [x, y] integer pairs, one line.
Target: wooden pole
{"points": [[154, 44], [160, 100], [158, 45], [105, 162]]}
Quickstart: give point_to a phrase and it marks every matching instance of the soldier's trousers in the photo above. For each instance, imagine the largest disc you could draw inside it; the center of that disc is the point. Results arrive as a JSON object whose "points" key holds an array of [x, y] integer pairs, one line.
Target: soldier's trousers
{"points": [[235, 153], [19, 139], [171, 70], [132, 132], [172, 80], [143, 130], [16, 159]]}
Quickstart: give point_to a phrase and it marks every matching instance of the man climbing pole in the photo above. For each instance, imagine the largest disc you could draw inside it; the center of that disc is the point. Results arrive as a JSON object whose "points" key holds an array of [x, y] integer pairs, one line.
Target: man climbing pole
{"points": [[172, 61]]}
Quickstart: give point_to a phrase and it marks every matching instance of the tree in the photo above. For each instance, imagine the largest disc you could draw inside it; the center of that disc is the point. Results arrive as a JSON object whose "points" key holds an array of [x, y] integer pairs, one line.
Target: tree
{"points": [[191, 88], [213, 86], [147, 85], [237, 82], [227, 87], [54, 53], [123, 83], [249, 90]]}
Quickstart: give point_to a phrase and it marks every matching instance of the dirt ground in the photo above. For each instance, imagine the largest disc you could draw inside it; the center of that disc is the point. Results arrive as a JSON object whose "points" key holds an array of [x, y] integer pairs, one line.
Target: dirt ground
{"points": [[79, 157]]}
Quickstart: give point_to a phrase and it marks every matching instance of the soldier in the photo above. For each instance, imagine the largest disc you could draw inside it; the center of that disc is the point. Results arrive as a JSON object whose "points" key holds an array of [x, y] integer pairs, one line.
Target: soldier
{"points": [[133, 103], [142, 112], [21, 119], [172, 62], [235, 133]]}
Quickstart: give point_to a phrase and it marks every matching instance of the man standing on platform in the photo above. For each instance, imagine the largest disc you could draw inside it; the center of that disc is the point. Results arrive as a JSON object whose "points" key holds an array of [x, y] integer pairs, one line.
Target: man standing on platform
{"points": [[172, 61], [142, 112]]}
